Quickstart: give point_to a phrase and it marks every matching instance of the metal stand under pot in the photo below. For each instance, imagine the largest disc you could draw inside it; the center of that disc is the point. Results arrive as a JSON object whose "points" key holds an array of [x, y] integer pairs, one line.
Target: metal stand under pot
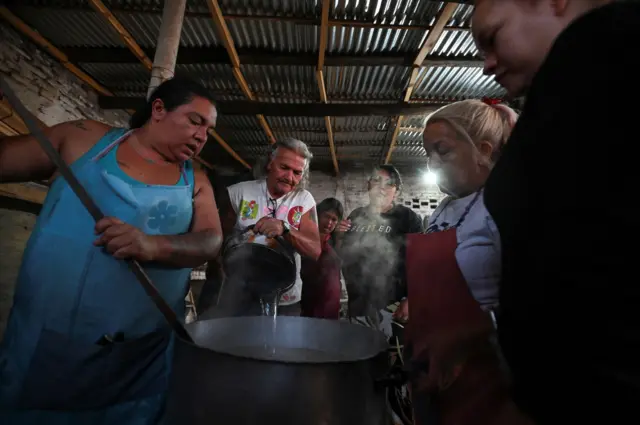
{"points": [[294, 371]]}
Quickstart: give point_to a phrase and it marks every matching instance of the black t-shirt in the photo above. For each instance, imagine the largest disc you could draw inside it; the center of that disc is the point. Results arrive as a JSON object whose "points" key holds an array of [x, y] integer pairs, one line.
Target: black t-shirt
{"points": [[561, 196], [372, 253]]}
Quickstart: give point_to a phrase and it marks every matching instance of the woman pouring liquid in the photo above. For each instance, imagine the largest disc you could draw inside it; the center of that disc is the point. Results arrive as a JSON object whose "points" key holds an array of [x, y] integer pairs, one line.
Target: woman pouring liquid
{"points": [[453, 273], [84, 343]]}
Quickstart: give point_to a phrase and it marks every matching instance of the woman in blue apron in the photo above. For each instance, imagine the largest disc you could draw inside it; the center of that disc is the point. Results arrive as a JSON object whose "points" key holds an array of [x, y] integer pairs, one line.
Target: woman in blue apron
{"points": [[84, 344]]}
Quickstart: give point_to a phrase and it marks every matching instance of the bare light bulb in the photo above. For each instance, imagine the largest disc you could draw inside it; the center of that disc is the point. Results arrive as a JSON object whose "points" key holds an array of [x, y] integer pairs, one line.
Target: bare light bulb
{"points": [[430, 177]]}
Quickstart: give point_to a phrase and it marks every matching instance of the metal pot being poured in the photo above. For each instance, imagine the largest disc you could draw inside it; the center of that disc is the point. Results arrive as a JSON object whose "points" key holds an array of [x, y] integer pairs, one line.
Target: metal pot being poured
{"points": [[266, 266], [305, 371]]}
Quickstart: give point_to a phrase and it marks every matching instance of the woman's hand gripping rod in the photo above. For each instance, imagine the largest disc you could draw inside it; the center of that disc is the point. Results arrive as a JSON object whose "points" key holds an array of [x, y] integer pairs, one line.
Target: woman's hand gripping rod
{"points": [[91, 206]]}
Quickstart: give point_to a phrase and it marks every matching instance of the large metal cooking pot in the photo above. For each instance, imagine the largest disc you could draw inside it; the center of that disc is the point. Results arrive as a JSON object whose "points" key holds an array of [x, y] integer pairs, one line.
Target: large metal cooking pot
{"points": [[266, 265], [303, 371]]}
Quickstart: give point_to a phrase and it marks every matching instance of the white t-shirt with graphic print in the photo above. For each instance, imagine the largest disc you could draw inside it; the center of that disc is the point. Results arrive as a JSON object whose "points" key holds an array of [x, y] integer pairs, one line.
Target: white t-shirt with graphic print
{"points": [[478, 251], [250, 201]]}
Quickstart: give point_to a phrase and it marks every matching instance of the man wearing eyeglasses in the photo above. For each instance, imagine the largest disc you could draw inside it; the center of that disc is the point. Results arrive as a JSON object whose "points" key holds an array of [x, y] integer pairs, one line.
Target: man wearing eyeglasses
{"points": [[277, 205], [371, 245]]}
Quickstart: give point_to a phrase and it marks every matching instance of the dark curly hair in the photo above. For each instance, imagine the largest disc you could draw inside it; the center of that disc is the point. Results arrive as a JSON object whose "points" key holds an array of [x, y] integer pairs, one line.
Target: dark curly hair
{"points": [[173, 93], [330, 204]]}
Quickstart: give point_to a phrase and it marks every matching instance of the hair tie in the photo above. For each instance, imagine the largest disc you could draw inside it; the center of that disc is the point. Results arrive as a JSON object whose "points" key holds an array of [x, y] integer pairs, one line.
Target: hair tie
{"points": [[491, 101], [504, 109]]}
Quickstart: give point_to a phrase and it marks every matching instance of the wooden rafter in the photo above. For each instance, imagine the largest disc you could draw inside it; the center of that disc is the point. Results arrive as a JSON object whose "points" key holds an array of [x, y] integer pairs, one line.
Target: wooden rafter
{"points": [[224, 34], [124, 35], [427, 47], [140, 54], [34, 36], [11, 124], [324, 37]]}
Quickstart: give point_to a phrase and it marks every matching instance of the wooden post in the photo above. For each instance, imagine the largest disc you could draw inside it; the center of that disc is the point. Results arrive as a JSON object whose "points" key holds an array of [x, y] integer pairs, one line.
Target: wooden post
{"points": [[164, 61]]}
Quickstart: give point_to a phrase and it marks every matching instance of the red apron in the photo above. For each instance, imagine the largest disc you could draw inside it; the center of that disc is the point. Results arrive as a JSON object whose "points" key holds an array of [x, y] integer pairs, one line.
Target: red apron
{"points": [[439, 298]]}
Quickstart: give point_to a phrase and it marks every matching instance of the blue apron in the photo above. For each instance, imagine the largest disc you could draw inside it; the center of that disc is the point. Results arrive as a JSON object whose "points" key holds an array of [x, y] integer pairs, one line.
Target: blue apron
{"points": [[84, 344]]}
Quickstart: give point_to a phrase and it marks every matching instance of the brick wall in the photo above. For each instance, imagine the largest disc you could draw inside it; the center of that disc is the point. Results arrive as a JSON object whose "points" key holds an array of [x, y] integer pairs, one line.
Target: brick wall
{"points": [[54, 95], [46, 88]]}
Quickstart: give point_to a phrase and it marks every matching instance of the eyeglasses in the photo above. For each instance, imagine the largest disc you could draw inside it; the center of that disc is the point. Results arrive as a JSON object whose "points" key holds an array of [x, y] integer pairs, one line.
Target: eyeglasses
{"points": [[273, 207], [380, 181]]}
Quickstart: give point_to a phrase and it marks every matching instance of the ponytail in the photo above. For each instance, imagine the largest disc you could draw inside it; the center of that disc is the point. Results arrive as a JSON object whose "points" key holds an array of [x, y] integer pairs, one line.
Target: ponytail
{"points": [[141, 116]]}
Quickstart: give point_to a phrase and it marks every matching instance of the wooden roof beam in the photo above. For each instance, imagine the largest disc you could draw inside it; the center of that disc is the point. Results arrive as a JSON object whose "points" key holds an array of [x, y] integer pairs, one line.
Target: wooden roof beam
{"points": [[322, 48], [122, 32], [39, 40], [427, 47], [140, 55], [35, 37], [224, 34]]}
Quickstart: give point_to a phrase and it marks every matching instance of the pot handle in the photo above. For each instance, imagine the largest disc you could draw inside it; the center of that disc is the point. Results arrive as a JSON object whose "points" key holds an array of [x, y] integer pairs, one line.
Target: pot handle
{"points": [[281, 240]]}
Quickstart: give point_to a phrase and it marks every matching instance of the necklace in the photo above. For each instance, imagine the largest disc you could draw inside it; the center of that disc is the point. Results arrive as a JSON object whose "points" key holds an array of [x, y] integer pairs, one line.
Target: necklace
{"points": [[137, 146]]}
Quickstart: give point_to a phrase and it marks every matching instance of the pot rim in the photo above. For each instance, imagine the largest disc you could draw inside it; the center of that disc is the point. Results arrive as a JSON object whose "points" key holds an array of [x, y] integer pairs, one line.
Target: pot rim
{"points": [[381, 341]]}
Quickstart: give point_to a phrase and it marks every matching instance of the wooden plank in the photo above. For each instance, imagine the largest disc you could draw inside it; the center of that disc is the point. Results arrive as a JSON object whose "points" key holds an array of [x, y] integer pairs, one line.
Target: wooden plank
{"points": [[427, 47], [122, 32], [263, 123], [435, 33], [322, 43], [332, 147], [394, 139], [244, 86], [223, 33], [226, 147], [321, 86], [24, 191], [324, 33], [23, 28], [27, 31]]}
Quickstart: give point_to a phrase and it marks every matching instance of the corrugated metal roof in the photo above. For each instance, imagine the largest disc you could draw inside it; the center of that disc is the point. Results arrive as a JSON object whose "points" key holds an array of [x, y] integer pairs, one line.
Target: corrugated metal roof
{"points": [[415, 121], [215, 76], [361, 41], [131, 77], [281, 80], [238, 122], [412, 151], [455, 83], [360, 138], [406, 12], [455, 44], [366, 82], [361, 123], [278, 36], [76, 24], [297, 8], [409, 137], [70, 28], [145, 28], [296, 123]]}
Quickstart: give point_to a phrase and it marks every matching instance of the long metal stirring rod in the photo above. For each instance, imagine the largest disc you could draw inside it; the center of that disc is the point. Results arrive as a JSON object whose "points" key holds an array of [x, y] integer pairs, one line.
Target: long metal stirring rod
{"points": [[91, 206]]}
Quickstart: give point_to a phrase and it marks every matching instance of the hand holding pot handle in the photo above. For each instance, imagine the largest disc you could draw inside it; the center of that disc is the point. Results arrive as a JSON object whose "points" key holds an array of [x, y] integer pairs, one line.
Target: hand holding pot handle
{"points": [[281, 240]]}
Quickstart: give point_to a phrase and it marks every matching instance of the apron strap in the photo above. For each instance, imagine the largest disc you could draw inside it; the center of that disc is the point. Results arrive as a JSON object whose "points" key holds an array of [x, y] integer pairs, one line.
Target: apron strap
{"points": [[111, 145]]}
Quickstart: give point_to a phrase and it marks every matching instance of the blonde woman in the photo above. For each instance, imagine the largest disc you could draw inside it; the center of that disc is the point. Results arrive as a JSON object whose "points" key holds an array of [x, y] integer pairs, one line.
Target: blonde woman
{"points": [[453, 271]]}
